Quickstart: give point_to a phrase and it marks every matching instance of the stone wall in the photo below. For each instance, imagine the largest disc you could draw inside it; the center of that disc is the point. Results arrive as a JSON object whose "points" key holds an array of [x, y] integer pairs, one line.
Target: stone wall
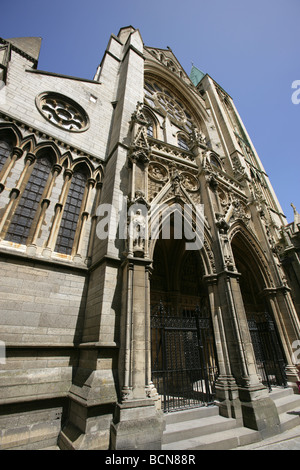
{"points": [[41, 310]]}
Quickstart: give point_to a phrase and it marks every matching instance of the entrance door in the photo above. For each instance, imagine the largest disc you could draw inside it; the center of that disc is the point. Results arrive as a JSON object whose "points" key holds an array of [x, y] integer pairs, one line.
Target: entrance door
{"points": [[269, 358], [184, 366], [270, 362]]}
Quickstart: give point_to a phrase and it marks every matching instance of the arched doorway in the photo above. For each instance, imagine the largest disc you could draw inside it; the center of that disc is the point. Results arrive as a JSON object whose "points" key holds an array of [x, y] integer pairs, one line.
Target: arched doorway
{"points": [[184, 365], [270, 361]]}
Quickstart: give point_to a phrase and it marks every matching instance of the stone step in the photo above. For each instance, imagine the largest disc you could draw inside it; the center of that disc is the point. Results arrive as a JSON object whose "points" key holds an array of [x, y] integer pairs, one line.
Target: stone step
{"points": [[288, 406], [289, 420], [289, 403], [280, 392], [203, 428], [222, 440], [193, 413], [196, 427]]}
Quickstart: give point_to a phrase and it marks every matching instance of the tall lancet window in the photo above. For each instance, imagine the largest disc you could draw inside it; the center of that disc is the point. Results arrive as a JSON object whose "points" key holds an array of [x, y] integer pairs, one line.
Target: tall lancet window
{"points": [[5, 151], [67, 231], [21, 223]]}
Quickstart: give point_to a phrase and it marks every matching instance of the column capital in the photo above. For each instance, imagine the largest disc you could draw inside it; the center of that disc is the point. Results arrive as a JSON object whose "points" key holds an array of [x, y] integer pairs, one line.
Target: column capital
{"points": [[18, 152], [31, 157]]}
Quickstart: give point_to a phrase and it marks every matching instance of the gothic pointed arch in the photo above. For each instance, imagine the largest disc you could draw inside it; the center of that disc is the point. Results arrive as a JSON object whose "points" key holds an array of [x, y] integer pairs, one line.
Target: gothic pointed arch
{"points": [[66, 159], [98, 174], [83, 165], [32, 192], [48, 147], [183, 140], [255, 283], [187, 96], [11, 131], [152, 127], [181, 327], [244, 241], [29, 143], [73, 207], [163, 217]]}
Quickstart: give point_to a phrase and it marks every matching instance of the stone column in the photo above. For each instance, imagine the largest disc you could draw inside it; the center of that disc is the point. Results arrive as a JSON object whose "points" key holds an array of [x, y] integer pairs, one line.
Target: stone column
{"points": [[16, 154], [138, 424], [82, 221], [58, 214], [227, 395], [258, 409]]}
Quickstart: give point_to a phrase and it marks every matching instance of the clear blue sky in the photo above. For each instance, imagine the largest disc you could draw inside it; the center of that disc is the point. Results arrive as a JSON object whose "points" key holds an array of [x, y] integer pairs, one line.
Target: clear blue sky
{"points": [[251, 48]]}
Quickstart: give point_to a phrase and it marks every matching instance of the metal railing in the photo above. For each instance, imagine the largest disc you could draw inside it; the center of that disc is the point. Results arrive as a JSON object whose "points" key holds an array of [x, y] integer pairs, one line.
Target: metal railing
{"points": [[184, 365], [270, 362]]}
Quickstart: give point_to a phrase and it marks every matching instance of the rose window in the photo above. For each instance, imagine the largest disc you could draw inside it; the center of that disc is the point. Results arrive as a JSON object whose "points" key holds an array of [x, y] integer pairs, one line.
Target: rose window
{"points": [[62, 112], [162, 99]]}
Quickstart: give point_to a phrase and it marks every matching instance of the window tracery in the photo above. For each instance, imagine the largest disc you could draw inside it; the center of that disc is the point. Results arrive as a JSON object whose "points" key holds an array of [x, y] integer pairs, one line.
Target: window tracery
{"points": [[62, 112], [5, 151], [215, 161], [45, 212], [183, 142], [21, 223], [159, 97], [68, 225]]}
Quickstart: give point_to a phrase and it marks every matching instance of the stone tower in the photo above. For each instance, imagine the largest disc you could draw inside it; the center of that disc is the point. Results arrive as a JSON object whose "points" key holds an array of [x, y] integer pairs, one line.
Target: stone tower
{"points": [[144, 254]]}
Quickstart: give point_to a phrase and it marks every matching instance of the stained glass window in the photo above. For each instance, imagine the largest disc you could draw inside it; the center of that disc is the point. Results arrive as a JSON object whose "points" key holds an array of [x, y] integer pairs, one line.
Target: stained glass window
{"points": [[182, 142], [5, 151], [163, 99], [19, 227], [71, 213]]}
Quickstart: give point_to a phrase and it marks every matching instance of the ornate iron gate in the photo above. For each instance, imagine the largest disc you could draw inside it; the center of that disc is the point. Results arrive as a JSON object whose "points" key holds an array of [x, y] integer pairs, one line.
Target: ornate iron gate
{"points": [[270, 362], [184, 366]]}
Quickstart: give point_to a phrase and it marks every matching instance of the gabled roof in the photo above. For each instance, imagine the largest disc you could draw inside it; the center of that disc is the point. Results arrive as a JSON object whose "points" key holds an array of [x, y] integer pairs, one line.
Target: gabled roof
{"points": [[30, 45], [168, 59]]}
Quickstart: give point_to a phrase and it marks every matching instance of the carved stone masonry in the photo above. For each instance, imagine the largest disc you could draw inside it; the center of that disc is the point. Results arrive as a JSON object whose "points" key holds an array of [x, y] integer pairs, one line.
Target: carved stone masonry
{"points": [[197, 139]]}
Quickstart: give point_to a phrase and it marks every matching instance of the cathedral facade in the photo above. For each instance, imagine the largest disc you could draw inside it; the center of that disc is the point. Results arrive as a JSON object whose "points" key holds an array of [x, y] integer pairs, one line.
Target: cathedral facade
{"points": [[147, 268]]}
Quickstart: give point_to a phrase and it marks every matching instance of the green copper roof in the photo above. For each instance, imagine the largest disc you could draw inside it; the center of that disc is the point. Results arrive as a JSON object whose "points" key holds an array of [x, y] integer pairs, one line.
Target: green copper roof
{"points": [[196, 75]]}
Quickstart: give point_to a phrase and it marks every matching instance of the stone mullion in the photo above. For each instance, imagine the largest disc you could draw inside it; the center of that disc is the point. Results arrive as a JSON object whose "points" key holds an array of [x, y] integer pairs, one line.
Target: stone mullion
{"points": [[15, 192], [94, 219], [58, 214], [83, 217], [17, 153], [45, 204]]}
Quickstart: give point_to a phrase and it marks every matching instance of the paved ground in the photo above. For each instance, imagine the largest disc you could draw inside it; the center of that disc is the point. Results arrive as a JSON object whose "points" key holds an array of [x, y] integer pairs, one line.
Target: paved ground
{"points": [[288, 440]]}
